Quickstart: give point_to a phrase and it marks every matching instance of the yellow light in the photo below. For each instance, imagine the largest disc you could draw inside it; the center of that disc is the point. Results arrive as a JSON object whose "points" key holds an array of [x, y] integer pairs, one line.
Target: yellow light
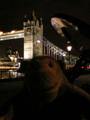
{"points": [[20, 35], [64, 54], [15, 59], [12, 58], [13, 31], [1, 32]]}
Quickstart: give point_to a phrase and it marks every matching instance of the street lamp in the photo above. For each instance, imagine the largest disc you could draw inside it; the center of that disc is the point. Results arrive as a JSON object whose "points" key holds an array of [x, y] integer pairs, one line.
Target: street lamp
{"points": [[69, 48]]}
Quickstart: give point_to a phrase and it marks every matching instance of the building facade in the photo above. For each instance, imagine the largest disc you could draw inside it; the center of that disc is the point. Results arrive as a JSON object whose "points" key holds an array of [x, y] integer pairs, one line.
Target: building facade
{"points": [[32, 45]]}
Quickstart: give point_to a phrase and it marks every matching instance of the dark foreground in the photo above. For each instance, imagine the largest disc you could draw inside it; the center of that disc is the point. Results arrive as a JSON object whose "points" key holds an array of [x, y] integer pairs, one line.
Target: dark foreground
{"points": [[12, 87]]}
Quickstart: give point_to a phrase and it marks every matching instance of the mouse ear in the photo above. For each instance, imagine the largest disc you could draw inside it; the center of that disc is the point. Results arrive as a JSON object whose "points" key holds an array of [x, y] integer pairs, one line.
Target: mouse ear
{"points": [[78, 99]]}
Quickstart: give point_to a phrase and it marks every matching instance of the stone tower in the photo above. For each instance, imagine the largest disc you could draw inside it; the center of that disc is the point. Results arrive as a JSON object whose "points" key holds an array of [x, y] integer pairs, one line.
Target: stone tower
{"points": [[33, 37]]}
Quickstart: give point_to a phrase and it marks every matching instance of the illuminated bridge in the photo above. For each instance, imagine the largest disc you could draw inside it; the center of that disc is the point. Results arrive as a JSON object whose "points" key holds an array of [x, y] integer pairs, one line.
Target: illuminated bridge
{"points": [[35, 43], [11, 35], [48, 48]]}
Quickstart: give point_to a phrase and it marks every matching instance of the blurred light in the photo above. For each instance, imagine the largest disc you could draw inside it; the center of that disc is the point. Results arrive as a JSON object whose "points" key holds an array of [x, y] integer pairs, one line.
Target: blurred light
{"points": [[20, 35], [68, 41], [15, 59], [69, 48], [11, 70], [88, 67], [64, 54], [13, 31], [12, 58], [38, 41], [1, 32], [10, 47], [82, 67]]}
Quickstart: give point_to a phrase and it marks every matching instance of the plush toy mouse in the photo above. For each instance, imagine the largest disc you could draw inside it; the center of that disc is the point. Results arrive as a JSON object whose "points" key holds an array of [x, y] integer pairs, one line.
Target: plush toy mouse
{"points": [[47, 94]]}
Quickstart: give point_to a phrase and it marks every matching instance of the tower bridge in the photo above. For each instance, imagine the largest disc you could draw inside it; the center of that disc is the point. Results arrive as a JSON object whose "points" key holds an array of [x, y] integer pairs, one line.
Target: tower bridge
{"points": [[35, 43]]}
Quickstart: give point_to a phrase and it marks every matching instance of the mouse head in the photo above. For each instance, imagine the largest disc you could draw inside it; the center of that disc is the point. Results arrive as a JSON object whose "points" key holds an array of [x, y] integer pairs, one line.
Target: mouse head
{"points": [[44, 76]]}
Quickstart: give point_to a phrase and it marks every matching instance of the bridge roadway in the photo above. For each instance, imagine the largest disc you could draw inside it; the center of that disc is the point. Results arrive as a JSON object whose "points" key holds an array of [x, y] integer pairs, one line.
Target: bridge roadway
{"points": [[20, 34], [12, 35]]}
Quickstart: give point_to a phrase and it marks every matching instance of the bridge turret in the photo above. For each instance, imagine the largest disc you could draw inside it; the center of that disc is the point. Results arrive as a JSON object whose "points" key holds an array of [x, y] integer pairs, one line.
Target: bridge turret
{"points": [[32, 45], [28, 22], [37, 23], [41, 23], [25, 21], [33, 17]]}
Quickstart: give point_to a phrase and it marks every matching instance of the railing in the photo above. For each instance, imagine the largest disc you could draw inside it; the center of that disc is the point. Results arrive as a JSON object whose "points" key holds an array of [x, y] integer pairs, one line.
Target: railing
{"points": [[52, 50]]}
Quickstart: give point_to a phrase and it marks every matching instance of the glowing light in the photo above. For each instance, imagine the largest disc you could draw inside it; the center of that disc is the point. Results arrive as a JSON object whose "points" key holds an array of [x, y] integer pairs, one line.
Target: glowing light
{"points": [[13, 31], [19, 35], [64, 54], [82, 67], [15, 59], [38, 41], [1, 32], [69, 48], [12, 58], [88, 67]]}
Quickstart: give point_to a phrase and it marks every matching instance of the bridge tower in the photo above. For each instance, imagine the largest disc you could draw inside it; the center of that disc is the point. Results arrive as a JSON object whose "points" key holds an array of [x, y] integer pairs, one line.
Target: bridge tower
{"points": [[32, 45]]}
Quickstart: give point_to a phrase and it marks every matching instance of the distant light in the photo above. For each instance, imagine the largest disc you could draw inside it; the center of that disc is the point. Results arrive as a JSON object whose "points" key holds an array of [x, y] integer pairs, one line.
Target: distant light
{"points": [[76, 28], [38, 41], [13, 31], [21, 57], [10, 47], [1, 32], [15, 59], [82, 67], [20, 35], [69, 48], [88, 67], [68, 41], [64, 54], [12, 58], [1, 39], [10, 70]]}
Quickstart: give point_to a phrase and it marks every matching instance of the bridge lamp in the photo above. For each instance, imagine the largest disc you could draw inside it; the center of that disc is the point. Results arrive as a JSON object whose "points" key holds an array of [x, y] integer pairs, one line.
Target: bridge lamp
{"points": [[69, 48], [38, 41], [19, 35], [1, 39], [1, 32], [13, 31], [63, 54]]}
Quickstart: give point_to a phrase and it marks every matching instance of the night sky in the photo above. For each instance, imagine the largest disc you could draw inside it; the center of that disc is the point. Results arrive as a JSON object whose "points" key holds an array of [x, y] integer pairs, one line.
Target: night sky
{"points": [[12, 17]]}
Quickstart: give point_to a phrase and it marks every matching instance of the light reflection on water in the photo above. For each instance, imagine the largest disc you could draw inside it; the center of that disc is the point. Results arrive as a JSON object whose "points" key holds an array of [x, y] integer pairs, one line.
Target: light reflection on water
{"points": [[10, 74]]}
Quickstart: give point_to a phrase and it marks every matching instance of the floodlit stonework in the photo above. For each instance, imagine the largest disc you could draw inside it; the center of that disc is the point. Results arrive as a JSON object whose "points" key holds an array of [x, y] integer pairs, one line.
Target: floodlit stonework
{"points": [[32, 45]]}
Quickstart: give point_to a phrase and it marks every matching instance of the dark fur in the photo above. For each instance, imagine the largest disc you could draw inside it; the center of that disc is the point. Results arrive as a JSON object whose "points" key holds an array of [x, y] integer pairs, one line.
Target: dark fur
{"points": [[47, 94]]}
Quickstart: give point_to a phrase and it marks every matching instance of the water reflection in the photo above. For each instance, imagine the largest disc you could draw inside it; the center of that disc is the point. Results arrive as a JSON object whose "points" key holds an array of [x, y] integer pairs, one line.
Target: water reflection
{"points": [[10, 74]]}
